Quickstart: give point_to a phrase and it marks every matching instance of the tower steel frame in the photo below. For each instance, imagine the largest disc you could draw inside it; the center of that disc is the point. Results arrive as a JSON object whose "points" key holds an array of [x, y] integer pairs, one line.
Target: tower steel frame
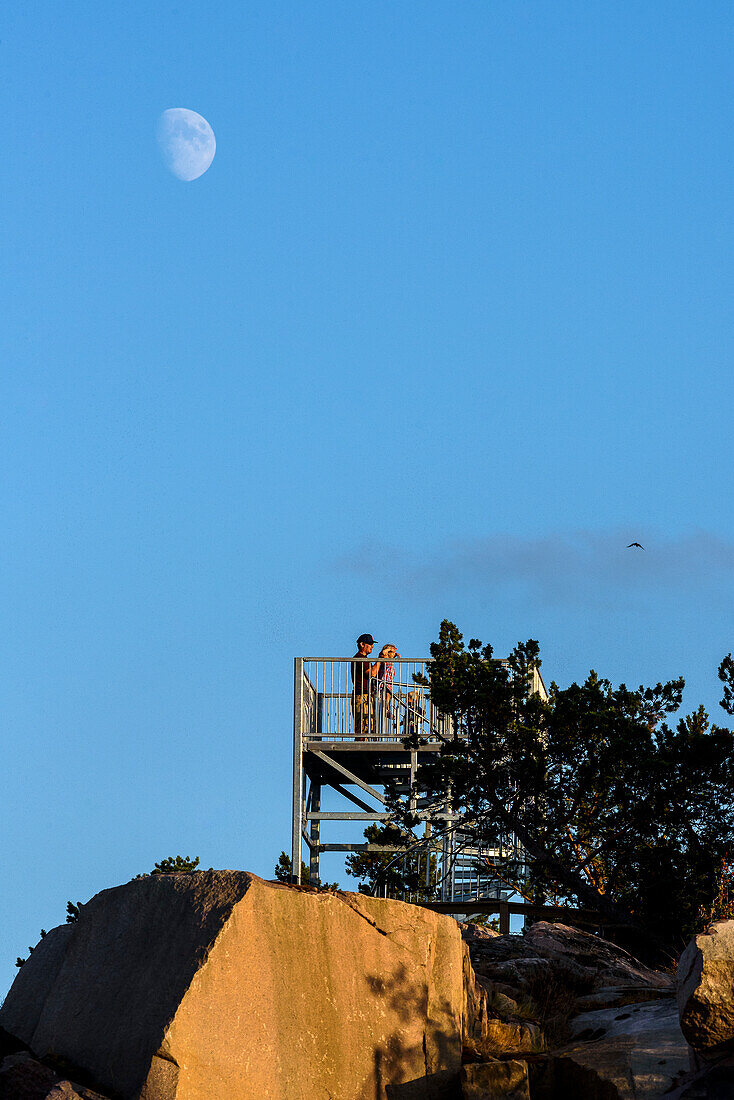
{"points": [[355, 756]]}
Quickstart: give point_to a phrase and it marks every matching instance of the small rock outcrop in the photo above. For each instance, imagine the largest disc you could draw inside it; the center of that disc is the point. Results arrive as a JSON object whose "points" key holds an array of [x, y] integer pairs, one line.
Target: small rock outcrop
{"points": [[706, 990], [706, 1007], [605, 964], [219, 984], [507, 1080], [639, 1050]]}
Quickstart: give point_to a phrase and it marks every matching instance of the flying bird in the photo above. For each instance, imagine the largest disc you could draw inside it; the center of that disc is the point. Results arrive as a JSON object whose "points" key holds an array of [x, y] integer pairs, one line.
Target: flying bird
{"points": [[639, 544]]}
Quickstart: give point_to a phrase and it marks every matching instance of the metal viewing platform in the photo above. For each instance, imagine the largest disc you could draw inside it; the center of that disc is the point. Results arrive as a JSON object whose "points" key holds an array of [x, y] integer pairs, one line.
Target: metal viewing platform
{"points": [[354, 745]]}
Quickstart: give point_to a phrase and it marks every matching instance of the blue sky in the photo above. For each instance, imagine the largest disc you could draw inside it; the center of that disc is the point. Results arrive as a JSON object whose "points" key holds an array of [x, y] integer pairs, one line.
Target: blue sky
{"points": [[447, 323]]}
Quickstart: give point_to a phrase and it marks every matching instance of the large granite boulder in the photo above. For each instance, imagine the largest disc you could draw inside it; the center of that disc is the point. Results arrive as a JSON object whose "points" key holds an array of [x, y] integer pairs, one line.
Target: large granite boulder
{"points": [[219, 984], [706, 990]]}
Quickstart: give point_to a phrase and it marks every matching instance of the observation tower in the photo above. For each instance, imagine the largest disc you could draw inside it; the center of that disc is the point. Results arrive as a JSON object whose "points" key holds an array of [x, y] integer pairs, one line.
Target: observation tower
{"points": [[356, 764]]}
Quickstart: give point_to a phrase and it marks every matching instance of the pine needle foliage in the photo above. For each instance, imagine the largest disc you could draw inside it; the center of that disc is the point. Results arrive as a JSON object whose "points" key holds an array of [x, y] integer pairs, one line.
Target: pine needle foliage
{"points": [[283, 873], [616, 809], [399, 877]]}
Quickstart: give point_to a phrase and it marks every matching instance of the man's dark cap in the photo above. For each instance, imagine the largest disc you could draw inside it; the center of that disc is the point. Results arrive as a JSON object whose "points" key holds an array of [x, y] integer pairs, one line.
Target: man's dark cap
{"points": [[365, 638]]}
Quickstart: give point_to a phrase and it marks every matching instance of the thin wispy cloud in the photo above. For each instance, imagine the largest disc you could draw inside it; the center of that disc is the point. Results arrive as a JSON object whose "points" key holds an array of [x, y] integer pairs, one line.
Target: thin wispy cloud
{"points": [[560, 566]]}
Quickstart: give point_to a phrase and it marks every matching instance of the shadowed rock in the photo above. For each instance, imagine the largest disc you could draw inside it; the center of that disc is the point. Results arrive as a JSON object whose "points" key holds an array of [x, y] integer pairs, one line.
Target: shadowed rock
{"points": [[495, 1080], [630, 1048], [23, 1078], [556, 957], [639, 1051], [608, 964], [22, 1009], [491, 1022]]}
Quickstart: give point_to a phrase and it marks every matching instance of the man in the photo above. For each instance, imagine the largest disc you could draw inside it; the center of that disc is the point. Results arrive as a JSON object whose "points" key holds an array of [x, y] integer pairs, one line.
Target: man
{"points": [[363, 706]]}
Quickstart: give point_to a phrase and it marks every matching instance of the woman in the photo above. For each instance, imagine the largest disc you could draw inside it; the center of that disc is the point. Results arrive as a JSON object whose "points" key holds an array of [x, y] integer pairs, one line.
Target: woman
{"points": [[383, 684]]}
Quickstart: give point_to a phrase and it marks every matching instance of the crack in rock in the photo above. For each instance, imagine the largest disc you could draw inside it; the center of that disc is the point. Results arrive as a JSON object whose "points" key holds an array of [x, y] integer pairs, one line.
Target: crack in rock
{"points": [[366, 918]]}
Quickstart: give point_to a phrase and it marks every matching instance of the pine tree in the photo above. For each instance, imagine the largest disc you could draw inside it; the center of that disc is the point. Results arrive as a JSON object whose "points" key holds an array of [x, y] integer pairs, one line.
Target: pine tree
{"points": [[616, 809], [284, 872], [395, 875]]}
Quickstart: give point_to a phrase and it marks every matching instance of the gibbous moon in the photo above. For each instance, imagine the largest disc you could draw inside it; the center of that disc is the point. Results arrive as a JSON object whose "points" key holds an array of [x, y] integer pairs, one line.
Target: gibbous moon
{"points": [[186, 141]]}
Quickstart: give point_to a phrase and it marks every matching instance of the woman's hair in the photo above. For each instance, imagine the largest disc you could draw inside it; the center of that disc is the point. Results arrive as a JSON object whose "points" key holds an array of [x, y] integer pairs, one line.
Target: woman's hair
{"points": [[388, 645]]}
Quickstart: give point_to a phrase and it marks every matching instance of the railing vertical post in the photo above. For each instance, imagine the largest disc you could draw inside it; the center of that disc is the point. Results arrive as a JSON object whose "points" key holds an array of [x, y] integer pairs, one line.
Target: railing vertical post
{"points": [[297, 770], [428, 859], [315, 833], [446, 894], [447, 855], [504, 918]]}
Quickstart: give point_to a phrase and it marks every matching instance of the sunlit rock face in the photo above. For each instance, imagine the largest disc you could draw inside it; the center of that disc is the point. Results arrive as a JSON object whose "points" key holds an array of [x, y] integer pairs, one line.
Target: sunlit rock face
{"points": [[706, 990], [218, 984]]}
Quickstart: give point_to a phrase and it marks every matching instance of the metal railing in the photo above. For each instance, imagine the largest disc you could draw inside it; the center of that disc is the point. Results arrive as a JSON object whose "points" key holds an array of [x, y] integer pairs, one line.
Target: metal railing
{"points": [[392, 707], [446, 866]]}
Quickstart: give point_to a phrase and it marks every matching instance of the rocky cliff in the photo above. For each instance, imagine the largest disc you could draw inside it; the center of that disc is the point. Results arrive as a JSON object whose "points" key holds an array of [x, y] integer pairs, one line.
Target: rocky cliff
{"points": [[219, 985]]}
